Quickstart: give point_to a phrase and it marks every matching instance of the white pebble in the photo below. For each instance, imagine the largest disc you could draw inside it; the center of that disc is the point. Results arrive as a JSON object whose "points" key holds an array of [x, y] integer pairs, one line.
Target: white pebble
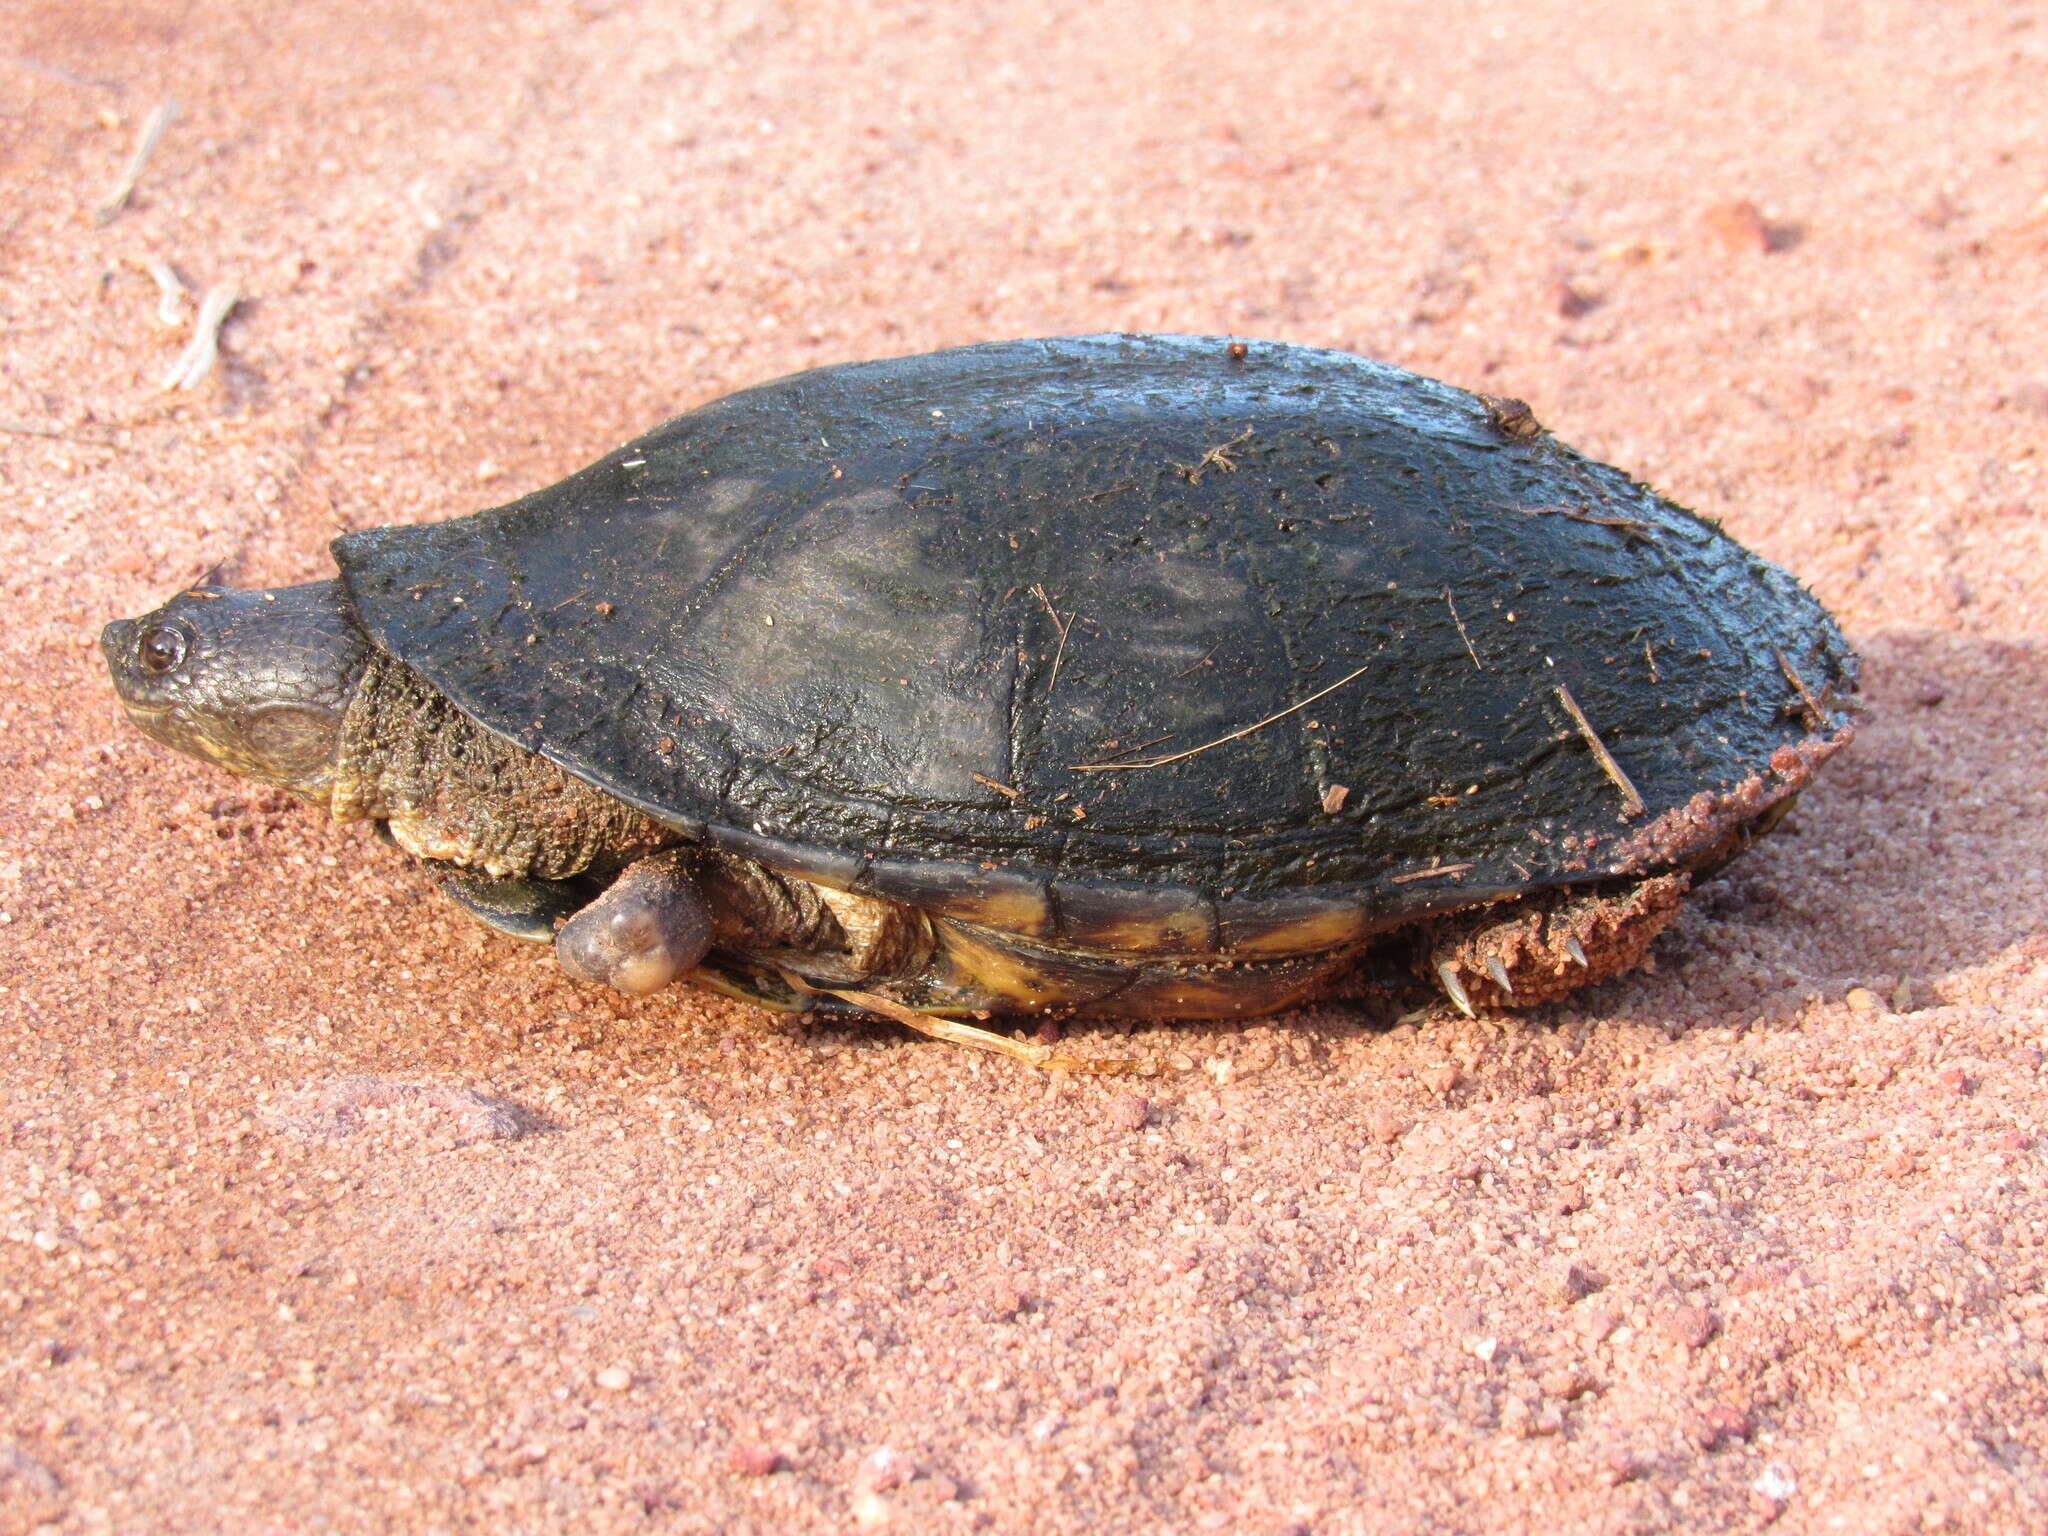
{"points": [[1776, 1482], [615, 1378]]}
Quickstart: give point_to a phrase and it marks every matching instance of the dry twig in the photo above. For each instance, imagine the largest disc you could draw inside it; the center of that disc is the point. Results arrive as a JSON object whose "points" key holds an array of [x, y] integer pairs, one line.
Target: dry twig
{"points": [[1816, 716], [1631, 800], [1428, 874]]}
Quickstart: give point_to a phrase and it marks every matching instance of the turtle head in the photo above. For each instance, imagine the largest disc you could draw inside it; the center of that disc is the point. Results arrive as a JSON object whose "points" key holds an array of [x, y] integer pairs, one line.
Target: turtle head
{"points": [[254, 681]]}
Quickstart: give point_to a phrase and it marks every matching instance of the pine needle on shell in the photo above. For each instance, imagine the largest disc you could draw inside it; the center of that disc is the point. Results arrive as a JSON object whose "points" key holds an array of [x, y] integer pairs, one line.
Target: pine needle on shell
{"points": [[1105, 766]]}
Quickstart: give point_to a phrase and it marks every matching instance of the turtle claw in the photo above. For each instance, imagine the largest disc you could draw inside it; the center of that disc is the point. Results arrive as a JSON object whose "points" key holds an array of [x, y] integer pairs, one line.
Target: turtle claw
{"points": [[1577, 951], [643, 933], [1454, 989], [1499, 973], [524, 909]]}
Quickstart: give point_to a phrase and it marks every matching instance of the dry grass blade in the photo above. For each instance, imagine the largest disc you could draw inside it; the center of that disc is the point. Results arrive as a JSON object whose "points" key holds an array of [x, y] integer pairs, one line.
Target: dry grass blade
{"points": [[170, 293], [1631, 800], [1137, 746], [20, 429], [110, 206], [1060, 624], [1106, 766], [999, 787], [955, 1032], [197, 360], [1451, 603]]}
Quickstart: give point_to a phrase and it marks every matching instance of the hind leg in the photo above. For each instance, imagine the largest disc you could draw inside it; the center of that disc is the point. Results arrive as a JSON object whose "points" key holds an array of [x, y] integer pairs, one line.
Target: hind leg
{"points": [[1538, 949]]}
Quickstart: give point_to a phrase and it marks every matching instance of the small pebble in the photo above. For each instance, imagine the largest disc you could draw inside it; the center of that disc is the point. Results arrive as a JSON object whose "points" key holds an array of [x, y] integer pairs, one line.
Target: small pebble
{"points": [[1573, 1283], [615, 1378], [1596, 1323], [934, 1490], [1955, 1080], [753, 1460], [1569, 302], [870, 1509], [1927, 695], [1738, 227], [1388, 1126], [1694, 1327], [1002, 1301], [1621, 1465], [884, 1470], [1567, 1382], [1863, 1000], [1439, 1079], [1130, 1111], [1776, 1482], [1718, 1425]]}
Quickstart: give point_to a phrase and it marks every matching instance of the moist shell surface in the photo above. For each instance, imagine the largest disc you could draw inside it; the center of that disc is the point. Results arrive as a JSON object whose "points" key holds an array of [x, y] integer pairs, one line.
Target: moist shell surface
{"points": [[876, 623]]}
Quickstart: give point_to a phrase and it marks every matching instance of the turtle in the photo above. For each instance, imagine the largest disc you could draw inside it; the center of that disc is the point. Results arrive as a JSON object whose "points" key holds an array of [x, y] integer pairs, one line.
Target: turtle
{"points": [[1141, 676]]}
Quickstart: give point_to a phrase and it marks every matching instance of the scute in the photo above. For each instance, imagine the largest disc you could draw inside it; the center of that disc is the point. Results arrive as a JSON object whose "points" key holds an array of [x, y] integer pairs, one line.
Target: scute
{"points": [[883, 619]]}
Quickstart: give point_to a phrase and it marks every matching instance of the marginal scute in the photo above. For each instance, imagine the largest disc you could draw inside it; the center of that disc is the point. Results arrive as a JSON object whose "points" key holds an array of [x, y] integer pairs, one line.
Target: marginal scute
{"points": [[1002, 972], [1224, 990], [995, 898], [1292, 923], [1157, 920], [821, 866]]}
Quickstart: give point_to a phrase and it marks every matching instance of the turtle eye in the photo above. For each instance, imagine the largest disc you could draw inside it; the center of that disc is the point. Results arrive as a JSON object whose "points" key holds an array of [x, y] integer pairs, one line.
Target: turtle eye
{"points": [[162, 647]]}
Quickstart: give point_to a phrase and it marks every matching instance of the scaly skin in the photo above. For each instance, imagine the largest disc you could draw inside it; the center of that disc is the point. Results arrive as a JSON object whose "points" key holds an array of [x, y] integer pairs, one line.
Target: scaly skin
{"points": [[452, 791]]}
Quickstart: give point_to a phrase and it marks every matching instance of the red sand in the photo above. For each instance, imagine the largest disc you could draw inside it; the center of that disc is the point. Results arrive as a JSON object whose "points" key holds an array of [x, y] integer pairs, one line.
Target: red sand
{"points": [[320, 1209]]}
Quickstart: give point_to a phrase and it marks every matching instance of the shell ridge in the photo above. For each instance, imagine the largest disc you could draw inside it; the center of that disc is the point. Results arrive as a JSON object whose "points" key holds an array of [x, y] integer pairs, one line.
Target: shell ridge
{"points": [[743, 552]]}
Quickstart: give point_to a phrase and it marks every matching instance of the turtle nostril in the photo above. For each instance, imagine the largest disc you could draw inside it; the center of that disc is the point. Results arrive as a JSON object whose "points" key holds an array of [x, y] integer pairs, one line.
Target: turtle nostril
{"points": [[114, 639]]}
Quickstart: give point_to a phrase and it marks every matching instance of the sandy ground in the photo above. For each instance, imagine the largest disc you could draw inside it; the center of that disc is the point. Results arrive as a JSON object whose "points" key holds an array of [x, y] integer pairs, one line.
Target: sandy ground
{"points": [[321, 1209]]}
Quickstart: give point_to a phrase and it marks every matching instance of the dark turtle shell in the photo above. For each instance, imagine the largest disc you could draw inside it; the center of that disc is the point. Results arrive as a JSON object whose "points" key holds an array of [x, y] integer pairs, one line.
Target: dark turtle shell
{"points": [[1017, 632]]}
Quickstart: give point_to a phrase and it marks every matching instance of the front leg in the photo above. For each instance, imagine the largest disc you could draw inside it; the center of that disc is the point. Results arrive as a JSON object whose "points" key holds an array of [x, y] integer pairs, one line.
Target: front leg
{"points": [[524, 909], [650, 927], [668, 910]]}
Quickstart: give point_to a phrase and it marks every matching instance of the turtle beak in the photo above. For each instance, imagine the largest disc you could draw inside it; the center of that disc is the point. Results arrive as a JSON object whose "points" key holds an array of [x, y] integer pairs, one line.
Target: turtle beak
{"points": [[117, 647]]}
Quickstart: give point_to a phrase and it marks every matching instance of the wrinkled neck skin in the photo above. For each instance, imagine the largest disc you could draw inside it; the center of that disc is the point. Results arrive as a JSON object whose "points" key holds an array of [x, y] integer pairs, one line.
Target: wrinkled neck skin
{"points": [[450, 790]]}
